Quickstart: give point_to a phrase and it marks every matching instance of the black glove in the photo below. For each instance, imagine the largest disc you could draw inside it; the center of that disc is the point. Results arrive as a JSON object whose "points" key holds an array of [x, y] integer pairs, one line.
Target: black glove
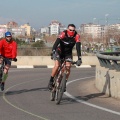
{"points": [[53, 55], [79, 62], [1, 56], [14, 59]]}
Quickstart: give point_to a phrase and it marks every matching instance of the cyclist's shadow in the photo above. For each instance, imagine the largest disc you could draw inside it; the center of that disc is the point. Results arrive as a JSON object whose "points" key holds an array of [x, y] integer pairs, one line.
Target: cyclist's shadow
{"points": [[1, 93], [26, 90], [67, 100]]}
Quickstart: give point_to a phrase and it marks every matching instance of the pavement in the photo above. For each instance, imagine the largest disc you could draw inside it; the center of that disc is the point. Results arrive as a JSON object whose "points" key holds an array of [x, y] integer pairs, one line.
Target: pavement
{"points": [[89, 92]]}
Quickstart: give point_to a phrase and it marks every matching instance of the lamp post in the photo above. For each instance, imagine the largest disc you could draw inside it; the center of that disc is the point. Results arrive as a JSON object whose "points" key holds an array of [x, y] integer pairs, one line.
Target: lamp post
{"points": [[106, 28], [106, 19], [94, 20]]}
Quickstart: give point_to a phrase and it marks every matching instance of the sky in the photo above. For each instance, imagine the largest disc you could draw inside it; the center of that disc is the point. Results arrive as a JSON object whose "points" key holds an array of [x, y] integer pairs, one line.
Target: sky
{"points": [[40, 13]]}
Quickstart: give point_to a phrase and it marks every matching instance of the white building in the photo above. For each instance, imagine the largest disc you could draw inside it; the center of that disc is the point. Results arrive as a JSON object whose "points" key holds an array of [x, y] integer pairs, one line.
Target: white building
{"points": [[116, 26], [54, 27], [95, 30], [44, 30], [18, 32], [2, 32]]}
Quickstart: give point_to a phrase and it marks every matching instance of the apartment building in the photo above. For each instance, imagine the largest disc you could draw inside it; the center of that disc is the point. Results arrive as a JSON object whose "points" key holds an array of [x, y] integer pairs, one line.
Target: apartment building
{"points": [[27, 28], [13, 28], [95, 30], [55, 27], [115, 26], [44, 30], [12, 24]]}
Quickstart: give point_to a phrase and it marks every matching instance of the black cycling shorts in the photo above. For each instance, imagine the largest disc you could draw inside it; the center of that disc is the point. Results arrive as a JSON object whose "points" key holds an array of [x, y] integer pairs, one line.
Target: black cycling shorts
{"points": [[7, 61], [63, 56]]}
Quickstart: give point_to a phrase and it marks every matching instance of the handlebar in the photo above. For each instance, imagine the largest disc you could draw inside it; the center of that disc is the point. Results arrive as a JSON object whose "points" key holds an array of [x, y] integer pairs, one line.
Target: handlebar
{"points": [[70, 60], [11, 59]]}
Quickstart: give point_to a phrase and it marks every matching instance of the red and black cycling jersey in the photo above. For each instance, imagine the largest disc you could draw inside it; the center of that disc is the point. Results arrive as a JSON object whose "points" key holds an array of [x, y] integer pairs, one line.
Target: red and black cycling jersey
{"points": [[66, 43]]}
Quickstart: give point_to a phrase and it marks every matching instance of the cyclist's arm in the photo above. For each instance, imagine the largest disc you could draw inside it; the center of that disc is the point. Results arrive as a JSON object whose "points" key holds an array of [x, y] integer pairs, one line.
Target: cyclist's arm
{"points": [[61, 36], [78, 45], [56, 44], [1, 44]]}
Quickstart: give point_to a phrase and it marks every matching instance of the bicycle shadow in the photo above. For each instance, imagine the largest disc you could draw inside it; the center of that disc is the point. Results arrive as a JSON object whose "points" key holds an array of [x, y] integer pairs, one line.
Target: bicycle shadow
{"points": [[1, 93], [26, 90]]}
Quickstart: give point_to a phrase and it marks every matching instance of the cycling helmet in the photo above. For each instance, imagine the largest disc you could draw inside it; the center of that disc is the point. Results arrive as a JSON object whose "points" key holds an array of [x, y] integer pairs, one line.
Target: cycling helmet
{"points": [[7, 34]]}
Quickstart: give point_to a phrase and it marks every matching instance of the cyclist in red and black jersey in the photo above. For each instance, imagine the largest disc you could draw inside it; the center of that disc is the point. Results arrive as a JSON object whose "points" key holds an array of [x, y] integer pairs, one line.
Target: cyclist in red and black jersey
{"points": [[62, 48]]}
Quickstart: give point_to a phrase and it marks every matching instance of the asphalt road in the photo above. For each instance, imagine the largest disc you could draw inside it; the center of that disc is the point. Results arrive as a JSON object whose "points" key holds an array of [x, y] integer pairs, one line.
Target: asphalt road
{"points": [[26, 97]]}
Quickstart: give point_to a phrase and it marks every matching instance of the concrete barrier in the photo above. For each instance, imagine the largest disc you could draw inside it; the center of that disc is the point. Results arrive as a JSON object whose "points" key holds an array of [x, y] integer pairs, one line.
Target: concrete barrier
{"points": [[46, 60], [108, 81]]}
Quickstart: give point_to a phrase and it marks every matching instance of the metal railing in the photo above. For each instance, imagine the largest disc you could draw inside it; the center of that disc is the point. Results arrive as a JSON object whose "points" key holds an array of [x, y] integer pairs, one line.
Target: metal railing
{"points": [[109, 60]]}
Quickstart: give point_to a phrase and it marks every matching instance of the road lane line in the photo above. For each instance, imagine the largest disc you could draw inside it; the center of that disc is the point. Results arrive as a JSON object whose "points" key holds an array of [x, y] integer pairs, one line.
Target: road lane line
{"points": [[87, 103], [7, 101]]}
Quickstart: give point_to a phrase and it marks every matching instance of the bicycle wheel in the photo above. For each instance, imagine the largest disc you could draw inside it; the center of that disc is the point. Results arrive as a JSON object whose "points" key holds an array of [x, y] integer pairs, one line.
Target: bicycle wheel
{"points": [[52, 95], [1, 72], [53, 91], [60, 90]]}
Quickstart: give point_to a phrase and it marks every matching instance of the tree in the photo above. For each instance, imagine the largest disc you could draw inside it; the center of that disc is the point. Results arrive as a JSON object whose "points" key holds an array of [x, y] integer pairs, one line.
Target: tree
{"points": [[38, 44]]}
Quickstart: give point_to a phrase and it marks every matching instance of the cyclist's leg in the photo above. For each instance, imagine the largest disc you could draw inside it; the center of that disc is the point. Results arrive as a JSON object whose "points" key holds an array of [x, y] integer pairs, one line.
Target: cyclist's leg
{"points": [[68, 64], [1, 65], [5, 72], [68, 67], [54, 71]]}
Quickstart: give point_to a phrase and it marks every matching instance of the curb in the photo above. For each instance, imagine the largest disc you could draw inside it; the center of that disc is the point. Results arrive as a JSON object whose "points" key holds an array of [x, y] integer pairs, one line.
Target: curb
{"points": [[49, 66]]}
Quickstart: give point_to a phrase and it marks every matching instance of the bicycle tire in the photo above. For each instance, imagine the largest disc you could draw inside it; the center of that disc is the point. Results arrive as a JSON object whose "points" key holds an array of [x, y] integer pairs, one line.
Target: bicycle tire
{"points": [[53, 91], [1, 73], [60, 90], [52, 95]]}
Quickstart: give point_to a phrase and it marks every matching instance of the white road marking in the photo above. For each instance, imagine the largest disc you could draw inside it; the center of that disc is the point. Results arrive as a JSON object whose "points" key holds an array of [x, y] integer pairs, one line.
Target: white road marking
{"points": [[11, 104], [87, 103], [25, 66]]}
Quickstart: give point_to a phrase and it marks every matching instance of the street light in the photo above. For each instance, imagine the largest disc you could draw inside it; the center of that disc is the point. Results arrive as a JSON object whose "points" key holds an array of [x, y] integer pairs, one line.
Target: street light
{"points": [[106, 19], [94, 20], [106, 27]]}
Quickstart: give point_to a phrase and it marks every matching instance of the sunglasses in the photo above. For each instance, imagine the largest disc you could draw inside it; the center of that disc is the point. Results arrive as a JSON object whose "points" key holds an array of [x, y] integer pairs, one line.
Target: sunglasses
{"points": [[8, 36], [71, 30]]}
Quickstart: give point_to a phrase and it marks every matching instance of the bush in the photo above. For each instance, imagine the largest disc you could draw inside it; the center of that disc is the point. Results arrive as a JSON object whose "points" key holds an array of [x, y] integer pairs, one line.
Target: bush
{"points": [[38, 44]]}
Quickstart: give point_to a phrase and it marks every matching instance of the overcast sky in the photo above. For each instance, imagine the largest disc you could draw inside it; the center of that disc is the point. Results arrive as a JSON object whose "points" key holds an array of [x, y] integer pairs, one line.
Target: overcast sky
{"points": [[41, 12]]}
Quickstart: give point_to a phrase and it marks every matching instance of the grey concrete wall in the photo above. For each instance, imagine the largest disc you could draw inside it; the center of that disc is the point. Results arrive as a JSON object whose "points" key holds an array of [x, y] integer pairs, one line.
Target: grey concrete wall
{"points": [[108, 81], [46, 60]]}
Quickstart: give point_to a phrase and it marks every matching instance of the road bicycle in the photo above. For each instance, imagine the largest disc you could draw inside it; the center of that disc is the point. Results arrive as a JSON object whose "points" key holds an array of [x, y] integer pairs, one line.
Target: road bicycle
{"points": [[59, 84]]}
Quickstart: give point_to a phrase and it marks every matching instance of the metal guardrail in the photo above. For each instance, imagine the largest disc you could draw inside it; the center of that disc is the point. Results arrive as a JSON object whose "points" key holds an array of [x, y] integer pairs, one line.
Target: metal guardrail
{"points": [[109, 60]]}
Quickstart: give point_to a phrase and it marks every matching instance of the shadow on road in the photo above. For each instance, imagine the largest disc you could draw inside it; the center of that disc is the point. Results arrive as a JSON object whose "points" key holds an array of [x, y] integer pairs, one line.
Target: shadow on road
{"points": [[26, 90], [67, 100], [1, 93], [91, 96]]}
